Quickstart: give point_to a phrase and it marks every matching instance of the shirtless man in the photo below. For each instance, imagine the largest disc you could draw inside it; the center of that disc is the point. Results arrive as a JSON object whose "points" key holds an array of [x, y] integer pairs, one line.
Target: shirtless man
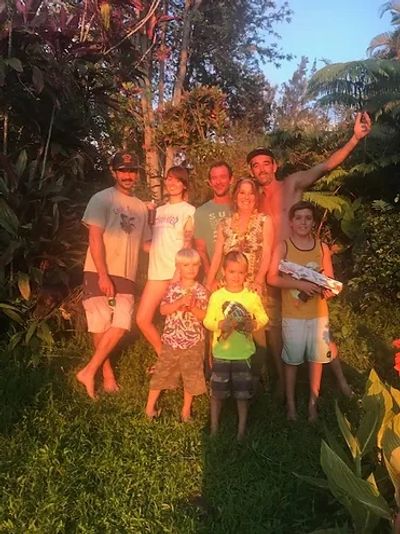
{"points": [[277, 198]]}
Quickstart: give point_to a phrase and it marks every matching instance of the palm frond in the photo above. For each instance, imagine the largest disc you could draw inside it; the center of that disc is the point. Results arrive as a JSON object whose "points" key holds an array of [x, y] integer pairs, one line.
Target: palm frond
{"points": [[327, 201]]}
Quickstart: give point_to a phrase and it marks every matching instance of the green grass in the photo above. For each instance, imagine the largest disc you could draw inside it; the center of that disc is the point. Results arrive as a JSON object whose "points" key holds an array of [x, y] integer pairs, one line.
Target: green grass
{"points": [[68, 464]]}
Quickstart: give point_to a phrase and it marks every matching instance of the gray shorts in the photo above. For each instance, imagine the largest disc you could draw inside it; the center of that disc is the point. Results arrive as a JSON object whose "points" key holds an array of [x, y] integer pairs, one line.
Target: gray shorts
{"points": [[306, 339], [231, 377]]}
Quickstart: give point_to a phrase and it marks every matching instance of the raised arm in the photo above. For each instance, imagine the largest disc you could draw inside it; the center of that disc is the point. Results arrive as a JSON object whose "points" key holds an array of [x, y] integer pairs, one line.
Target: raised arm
{"points": [[216, 259], [303, 179], [98, 253]]}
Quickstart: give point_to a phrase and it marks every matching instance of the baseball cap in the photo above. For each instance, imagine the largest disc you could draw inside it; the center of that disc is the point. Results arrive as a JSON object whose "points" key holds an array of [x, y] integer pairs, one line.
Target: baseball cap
{"points": [[259, 151], [124, 161]]}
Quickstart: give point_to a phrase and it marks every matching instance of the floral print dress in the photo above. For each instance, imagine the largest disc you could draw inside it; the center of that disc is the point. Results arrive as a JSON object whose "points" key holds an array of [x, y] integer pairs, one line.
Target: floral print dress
{"points": [[250, 243]]}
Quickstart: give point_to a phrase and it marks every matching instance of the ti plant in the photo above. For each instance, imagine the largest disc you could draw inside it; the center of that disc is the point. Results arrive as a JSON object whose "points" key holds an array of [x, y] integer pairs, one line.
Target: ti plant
{"points": [[373, 456]]}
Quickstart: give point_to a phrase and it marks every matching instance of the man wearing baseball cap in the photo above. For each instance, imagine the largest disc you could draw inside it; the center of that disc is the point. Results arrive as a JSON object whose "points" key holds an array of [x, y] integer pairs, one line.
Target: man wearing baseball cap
{"points": [[117, 224], [277, 196]]}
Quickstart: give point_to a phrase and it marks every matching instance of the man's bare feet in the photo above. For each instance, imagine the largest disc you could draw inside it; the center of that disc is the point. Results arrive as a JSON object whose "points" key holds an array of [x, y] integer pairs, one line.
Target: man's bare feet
{"points": [[110, 385], [87, 380], [291, 414]]}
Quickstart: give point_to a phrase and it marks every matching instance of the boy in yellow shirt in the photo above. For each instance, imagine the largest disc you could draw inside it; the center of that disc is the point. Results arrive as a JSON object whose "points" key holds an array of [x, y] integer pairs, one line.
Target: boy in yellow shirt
{"points": [[233, 313]]}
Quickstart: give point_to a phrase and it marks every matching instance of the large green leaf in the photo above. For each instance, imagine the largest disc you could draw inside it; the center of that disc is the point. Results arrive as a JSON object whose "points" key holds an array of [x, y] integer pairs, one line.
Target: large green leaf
{"points": [[20, 165], [12, 314], [354, 487], [8, 219], [15, 64], [336, 446], [395, 393], [24, 285], [43, 332], [391, 454], [345, 429], [373, 412], [314, 481], [376, 387], [328, 201]]}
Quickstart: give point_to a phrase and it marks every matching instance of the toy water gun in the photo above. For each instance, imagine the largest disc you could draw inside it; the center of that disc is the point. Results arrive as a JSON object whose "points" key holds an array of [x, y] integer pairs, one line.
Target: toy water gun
{"points": [[300, 272]]}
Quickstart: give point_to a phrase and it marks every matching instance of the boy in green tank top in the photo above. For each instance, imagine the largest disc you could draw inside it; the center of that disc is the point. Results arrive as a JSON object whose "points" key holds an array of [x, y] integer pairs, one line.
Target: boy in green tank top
{"points": [[305, 317]]}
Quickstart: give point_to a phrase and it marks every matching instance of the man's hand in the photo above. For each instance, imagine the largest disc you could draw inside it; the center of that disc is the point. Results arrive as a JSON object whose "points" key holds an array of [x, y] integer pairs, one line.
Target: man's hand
{"points": [[362, 125], [106, 285]]}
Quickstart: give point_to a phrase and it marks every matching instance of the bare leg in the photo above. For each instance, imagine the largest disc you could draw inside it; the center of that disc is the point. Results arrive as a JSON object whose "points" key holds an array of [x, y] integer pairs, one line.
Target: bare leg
{"points": [[315, 373], [337, 370], [110, 384], [290, 379], [152, 295], [152, 399], [187, 406], [106, 344], [258, 359], [274, 337], [242, 409], [216, 405]]}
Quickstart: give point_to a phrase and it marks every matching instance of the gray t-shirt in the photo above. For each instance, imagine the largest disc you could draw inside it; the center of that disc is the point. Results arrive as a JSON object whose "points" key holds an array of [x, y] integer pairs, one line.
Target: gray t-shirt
{"points": [[206, 219], [124, 221]]}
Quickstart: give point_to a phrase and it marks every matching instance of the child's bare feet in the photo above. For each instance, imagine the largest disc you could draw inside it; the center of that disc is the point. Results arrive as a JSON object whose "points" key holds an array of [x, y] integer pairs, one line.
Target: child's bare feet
{"points": [[240, 437], [87, 380], [153, 414], [186, 416]]}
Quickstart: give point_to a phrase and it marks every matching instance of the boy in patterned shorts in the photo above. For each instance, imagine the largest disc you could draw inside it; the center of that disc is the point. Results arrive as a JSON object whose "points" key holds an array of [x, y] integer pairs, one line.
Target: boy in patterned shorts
{"points": [[182, 352]]}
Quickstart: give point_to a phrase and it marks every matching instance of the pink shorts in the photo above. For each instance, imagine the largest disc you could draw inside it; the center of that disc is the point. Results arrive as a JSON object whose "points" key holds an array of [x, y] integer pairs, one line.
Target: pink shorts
{"points": [[101, 316]]}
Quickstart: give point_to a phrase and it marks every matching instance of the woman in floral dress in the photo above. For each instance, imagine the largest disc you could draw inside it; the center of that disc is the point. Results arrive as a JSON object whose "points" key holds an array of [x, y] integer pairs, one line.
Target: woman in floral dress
{"points": [[250, 232]]}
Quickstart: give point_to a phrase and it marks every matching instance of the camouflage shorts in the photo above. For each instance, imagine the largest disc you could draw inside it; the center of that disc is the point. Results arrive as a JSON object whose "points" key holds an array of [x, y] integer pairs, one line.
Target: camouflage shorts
{"points": [[172, 364]]}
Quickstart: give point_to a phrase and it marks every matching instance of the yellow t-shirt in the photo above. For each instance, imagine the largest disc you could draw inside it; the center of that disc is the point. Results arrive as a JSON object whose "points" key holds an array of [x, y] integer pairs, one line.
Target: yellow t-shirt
{"points": [[292, 306], [237, 346]]}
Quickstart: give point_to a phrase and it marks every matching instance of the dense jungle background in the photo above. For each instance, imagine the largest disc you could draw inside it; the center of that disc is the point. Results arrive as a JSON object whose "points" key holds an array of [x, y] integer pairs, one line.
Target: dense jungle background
{"points": [[183, 82]]}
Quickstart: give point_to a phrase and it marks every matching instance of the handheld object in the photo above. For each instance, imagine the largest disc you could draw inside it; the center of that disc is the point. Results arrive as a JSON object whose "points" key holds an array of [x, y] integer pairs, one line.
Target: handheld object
{"points": [[300, 272]]}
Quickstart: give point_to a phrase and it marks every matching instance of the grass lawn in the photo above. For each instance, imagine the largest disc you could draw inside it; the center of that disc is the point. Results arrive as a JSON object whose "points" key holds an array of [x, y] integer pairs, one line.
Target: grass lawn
{"points": [[68, 464]]}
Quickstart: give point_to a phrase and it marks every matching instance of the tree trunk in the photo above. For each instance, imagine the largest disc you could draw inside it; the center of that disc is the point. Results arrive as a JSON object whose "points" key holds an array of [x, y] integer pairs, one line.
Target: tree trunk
{"points": [[151, 154], [190, 8]]}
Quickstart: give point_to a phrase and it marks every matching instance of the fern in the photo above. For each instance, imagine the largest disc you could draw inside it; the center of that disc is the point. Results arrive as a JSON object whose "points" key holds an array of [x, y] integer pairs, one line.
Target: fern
{"points": [[328, 201]]}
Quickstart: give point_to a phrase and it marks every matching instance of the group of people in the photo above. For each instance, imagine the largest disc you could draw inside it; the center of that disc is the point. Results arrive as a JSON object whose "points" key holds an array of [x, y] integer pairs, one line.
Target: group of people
{"points": [[235, 243]]}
